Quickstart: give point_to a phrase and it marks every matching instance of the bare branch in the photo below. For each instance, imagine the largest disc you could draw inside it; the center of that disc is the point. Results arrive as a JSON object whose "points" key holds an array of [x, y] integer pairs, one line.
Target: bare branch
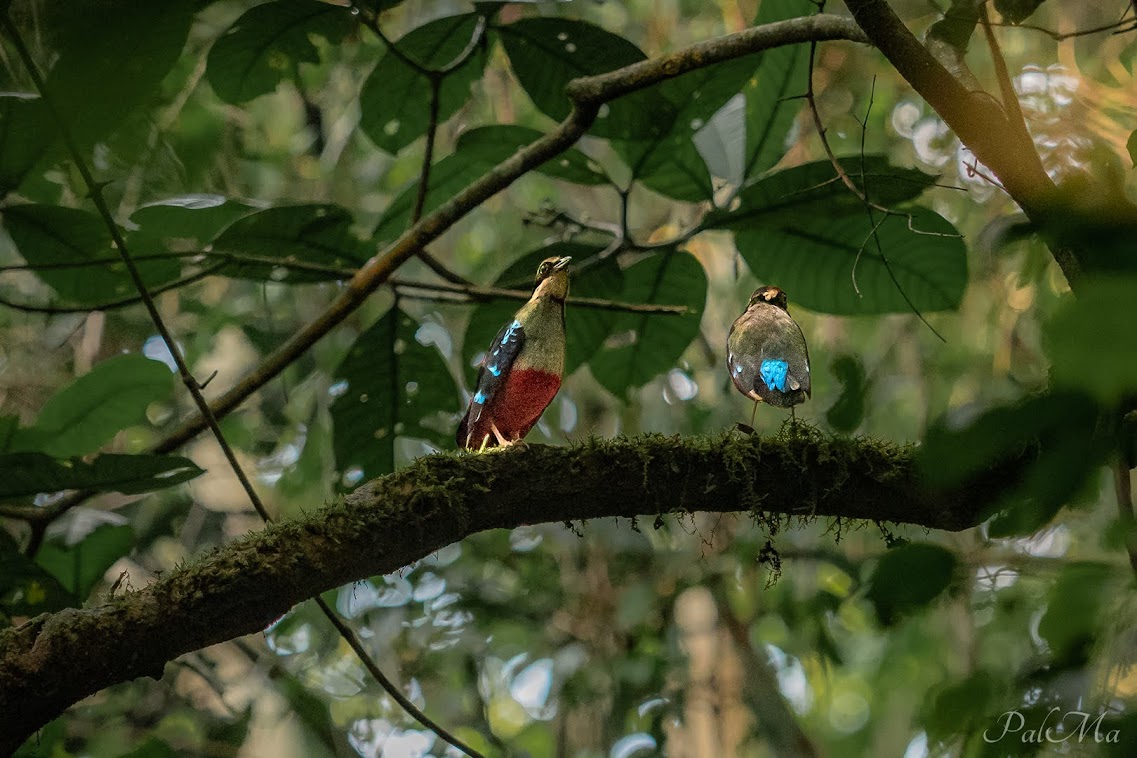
{"points": [[489, 293]]}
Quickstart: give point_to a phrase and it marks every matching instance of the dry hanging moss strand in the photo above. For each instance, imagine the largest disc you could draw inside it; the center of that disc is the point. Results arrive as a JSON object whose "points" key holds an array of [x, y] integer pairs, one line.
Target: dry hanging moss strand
{"points": [[57, 659]]}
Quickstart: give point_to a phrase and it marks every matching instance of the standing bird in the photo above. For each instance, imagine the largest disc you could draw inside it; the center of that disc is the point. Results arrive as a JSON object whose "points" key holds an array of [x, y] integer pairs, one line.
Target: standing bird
{"points": [[766, 352], [521, 372]]}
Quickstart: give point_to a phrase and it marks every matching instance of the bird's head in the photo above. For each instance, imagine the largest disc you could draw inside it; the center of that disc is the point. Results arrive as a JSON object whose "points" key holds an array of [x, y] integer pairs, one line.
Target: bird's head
{"points": [[770, 296], [553, 278]]}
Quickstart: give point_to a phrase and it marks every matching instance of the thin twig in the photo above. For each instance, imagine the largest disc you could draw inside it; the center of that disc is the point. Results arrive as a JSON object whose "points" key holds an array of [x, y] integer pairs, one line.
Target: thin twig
{"points": [[487, 293], [194, 387], [425, 255], [388, 686], [811, 100], [1121, 26], [113, 304]]}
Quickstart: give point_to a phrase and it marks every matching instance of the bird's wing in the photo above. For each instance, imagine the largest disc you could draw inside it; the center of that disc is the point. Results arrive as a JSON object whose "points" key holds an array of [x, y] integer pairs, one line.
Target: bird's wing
{"points": [[742, 356], [784, 358], [495, 368]]}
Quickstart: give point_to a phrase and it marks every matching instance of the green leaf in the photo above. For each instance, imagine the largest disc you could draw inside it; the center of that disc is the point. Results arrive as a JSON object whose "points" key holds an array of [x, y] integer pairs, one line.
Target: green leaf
{"points": [[392, 383], [110, 397], [101, 77], [80, 566], [804, 193], [196, 216], [1075, 611], [668, 161], [1085, 336], [585, 328], [25, 588], [447, 177], [908, 578], [317, 235], [268, 43], [1045, 445], [1017, 11], [642, 346], [960, 707], [26, 133], [23, 474], [846, 414], [49, 235], [1131, 146], [771, 103], [671, 165], [815, 263], [395, 100], [547, 53], [503, 140]]}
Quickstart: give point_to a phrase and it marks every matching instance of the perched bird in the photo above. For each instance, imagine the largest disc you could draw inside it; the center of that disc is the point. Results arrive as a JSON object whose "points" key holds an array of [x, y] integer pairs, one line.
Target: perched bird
{"points": [[766, 352], [521, 372]]}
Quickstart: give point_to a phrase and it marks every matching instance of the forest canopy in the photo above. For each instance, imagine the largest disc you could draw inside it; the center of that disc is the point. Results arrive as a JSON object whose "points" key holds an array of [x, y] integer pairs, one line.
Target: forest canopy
{"points": [[254, 254]]}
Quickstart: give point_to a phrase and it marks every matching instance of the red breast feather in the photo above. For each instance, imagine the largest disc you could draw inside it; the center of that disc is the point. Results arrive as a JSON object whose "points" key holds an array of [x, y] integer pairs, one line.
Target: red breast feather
{"points": [[518, 405]]}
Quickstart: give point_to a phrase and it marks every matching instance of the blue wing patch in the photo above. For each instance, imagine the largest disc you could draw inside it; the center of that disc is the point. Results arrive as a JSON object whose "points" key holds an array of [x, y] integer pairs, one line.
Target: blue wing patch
{"points": [[503, 350], [773, 373]]}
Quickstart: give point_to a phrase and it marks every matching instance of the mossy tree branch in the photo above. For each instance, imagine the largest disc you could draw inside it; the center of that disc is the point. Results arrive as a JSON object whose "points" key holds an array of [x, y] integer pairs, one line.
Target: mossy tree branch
{"points": [[57, 659]]}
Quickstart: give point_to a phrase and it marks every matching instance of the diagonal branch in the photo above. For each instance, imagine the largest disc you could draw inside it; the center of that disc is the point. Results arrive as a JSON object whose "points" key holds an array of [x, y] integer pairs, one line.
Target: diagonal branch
{"points": [[56, 659], [977, 119]]}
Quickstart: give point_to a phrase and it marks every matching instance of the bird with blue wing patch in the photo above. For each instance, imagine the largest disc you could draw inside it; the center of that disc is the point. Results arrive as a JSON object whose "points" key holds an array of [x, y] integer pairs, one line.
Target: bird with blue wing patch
{"points": [[766, 352], [521, 372]]}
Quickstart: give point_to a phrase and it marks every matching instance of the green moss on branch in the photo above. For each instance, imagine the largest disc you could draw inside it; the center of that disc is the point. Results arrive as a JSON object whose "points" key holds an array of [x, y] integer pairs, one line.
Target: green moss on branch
{"points": [[56, 660]]}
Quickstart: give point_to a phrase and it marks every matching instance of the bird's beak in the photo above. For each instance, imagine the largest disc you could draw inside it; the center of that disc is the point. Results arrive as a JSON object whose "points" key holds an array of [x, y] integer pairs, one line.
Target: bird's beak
{"points": [[562, 263]]}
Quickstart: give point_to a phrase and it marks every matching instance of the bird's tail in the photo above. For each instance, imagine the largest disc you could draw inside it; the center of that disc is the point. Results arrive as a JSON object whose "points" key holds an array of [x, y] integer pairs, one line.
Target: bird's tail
{"points": [[476, 436]]}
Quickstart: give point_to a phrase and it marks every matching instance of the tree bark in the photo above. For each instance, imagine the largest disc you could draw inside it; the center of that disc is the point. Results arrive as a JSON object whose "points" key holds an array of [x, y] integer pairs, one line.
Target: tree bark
{"points": [[57, 659]]}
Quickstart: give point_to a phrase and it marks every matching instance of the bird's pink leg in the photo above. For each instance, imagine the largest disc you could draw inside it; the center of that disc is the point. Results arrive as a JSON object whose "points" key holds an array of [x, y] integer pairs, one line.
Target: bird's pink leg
{"points": [[501, 440]]}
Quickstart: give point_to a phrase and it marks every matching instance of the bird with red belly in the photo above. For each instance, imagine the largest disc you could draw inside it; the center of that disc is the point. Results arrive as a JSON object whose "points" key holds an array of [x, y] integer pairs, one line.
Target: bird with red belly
{"points": [[522, 370]]}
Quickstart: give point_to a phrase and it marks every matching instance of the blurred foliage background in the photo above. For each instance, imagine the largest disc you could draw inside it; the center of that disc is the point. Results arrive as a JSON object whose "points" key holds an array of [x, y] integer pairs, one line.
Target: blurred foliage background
{"points": [[287, 138]]}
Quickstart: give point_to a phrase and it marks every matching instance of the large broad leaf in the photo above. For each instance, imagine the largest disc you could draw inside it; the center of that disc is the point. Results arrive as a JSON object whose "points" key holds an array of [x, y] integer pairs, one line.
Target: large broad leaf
{"points": [[806, 193], [643, 346], [447, 177], [392, 383], [910, 577], [1085, 340], [26, 132], [267, 44], [395, 100], [197, 216], [81, 417], [317, 235], [771, 95], [25, 588], [585, 328], [477, 152], [49, 235], [668, 162], [911, 261], [547, 53], [502, 140], [24, 474], [112, 56], [81, 565]]}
